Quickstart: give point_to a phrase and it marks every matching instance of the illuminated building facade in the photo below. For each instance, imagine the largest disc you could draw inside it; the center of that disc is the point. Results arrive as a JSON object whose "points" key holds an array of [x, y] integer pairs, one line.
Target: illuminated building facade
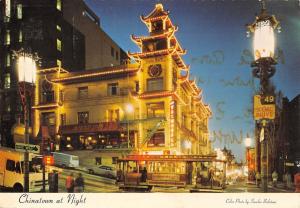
{"points": [[152, 102], [64, 33]]}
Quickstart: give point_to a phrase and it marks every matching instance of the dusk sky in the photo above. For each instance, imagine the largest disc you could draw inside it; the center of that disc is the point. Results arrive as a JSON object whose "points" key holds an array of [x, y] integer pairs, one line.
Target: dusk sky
{"points": [[214, 34]]}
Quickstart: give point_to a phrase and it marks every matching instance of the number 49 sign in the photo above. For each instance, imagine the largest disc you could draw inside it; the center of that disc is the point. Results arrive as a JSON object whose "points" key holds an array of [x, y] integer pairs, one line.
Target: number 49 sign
{"points": [[264, 107]]}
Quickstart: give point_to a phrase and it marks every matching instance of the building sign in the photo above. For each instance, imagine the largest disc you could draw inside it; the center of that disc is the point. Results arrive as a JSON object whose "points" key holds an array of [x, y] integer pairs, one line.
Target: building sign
{"points": [[264, 107]]}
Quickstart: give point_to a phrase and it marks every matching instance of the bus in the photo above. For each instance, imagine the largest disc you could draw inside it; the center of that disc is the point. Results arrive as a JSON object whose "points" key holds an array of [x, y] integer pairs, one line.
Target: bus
{"points": [[196, 172]]}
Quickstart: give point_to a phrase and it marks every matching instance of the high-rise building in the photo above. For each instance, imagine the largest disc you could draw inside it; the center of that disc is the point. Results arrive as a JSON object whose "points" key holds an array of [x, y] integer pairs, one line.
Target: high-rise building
{"points": [[59, 35]]}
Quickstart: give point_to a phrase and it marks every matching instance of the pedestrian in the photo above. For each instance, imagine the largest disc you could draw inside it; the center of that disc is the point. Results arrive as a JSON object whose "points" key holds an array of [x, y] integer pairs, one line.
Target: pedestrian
{"points": [[144, 175], [79, 184], [257, 178], [297, 182], [70, 183], [274, 178]]}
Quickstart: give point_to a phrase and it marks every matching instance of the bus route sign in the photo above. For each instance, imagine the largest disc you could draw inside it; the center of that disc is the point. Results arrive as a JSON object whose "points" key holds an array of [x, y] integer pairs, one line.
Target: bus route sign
{"points": [[264, 110]]}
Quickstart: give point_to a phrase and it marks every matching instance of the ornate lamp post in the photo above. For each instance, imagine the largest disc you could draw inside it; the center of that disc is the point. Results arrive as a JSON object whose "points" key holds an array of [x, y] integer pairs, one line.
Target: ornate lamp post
{"points": [[264, 68], [27, 77]]}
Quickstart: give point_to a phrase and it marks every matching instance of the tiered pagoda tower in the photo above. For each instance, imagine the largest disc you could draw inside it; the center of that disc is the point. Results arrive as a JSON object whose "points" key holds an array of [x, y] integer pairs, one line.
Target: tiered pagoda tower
{"points": [[173, 118]]}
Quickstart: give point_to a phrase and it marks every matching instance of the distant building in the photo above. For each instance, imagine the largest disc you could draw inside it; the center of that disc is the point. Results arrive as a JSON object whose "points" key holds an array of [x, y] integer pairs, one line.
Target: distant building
{"points": [[63, 33], [100, 49], [151, 105], [289, 148]]}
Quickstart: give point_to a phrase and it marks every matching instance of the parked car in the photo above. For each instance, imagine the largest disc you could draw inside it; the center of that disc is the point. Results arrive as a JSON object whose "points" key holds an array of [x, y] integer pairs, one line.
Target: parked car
{"points": [[103, 170]]}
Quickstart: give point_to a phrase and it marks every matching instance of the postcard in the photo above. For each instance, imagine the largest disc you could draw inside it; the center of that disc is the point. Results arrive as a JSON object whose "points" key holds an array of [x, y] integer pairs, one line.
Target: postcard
{"points": [[173, 103]]}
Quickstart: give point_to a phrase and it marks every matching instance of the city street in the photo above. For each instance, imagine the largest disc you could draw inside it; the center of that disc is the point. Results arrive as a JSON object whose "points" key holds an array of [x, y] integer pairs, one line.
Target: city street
{"points": [[98, 184], [93, 183]]}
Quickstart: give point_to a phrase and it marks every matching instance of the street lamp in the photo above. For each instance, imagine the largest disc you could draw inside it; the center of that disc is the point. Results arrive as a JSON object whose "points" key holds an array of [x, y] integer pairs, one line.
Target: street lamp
{"points": [[264, 68], [129, 109], [27, 77]]}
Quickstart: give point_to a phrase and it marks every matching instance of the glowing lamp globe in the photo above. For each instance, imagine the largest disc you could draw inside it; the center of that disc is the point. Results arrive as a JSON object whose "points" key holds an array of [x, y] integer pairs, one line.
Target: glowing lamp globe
{"points": [[264, 41], [26, 69], [129, 108]]}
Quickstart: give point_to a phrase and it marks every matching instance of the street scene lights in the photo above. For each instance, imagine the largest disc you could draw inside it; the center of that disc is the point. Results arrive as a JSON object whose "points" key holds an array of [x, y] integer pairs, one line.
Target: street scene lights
{"points": [[27, 78], [129, 110], [247, 142], [263, 68]]}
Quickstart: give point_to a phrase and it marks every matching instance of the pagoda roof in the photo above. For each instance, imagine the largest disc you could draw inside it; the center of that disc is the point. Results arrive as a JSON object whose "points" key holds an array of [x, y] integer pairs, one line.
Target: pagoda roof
{"points": [[157, 13], [169, 33], [176, 55], [95, 73]]}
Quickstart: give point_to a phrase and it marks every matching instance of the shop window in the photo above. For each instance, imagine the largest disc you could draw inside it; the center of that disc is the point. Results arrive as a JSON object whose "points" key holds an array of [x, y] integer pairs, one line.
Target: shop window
{"points": [[20, 36], [155, 110], [19, 11], [82, 92], [112, 89], [58, 44], [7, 81], [158, 139], [7, 10], [7, 38], [7, 60], [83, 117], [58, 5], [58, 63], [155, 84], [58, 27]]}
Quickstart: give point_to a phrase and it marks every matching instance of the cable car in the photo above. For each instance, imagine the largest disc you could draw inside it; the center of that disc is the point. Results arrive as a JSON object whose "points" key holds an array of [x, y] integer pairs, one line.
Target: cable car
{"points": [[194, 172]]}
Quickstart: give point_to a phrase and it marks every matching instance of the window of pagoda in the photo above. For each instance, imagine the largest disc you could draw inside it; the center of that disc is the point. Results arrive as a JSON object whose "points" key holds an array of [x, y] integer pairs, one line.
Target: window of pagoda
{"points": [[153, 45], [157, 26]]}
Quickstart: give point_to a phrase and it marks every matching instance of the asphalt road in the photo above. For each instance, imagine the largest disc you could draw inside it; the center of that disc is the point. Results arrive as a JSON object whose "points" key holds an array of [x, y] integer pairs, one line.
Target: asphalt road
{"points": [[93, 183], [98, 184]]}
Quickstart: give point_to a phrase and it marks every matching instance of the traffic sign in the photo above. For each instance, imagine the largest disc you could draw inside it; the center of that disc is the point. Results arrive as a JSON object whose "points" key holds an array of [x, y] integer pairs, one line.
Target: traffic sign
{"points": [[21, 147], [265, 109]]}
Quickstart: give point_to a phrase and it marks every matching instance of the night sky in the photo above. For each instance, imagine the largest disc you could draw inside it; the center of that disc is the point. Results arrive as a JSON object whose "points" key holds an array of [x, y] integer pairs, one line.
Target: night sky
{"points": [[214, 34]]}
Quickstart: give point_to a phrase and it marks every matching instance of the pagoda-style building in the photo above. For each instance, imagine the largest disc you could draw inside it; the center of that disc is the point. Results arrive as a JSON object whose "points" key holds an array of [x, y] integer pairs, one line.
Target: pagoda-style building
{"points": [[152, 103], [166, 93]]}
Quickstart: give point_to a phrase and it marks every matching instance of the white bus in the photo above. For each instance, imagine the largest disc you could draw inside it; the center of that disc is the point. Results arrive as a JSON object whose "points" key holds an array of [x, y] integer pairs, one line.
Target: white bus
{"points": [[65, 160]]}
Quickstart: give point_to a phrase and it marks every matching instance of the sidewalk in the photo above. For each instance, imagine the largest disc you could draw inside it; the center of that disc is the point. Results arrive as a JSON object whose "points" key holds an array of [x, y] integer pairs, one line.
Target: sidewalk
{"points": [[280, 186]]}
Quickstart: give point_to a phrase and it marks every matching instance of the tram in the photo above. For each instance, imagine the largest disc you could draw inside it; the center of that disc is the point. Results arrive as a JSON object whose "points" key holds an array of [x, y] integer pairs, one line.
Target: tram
{"points": [[195, 172]]}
